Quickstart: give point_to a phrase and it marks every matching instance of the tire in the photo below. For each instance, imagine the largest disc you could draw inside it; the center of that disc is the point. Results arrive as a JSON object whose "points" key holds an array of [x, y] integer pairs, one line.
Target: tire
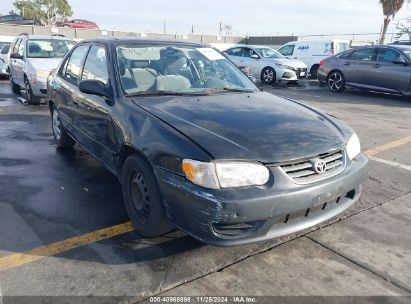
{"points": [[142, 198], [31, 99], [14, 87], [268, 75], [62, 139], [336, 82], [314, 71]]}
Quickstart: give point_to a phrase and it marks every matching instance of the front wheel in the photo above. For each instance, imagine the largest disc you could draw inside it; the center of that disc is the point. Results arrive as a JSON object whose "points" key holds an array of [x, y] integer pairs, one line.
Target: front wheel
{"points": [[336, 82], [142, 198], [314, 71], [14, 87], [62, 139], [30, 97], [268, 75]]}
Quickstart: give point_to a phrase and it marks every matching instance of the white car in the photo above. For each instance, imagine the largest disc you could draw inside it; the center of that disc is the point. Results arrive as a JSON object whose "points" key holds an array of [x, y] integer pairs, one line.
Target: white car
{"points": [[4, 60], [312, 52], [266, 64]]}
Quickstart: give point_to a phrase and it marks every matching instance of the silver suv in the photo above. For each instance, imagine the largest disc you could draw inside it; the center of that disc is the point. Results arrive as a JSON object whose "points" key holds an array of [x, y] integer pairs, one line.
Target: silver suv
{"points": [[32, 57]]}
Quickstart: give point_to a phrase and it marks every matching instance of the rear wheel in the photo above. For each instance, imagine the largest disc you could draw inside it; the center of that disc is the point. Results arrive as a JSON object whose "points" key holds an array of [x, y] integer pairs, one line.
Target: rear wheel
{"points": [[143, 199], [14, 87], [314, 71], [62, 139], [31, 99], [336, 82], [268, 75]]}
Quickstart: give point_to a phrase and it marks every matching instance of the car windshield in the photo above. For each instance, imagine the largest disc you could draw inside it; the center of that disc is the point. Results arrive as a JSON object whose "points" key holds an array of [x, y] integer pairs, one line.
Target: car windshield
{"points": [[151, 70], [48, 48], [269, 53]]}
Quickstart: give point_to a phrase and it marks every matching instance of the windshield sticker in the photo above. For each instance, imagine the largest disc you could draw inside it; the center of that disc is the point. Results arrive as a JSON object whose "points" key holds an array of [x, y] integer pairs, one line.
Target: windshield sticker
{"points": [[210, 53]]}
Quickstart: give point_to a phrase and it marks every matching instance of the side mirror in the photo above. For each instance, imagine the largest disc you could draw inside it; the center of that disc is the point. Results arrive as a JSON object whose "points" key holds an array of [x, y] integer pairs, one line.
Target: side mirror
{"points": [[255, 56], [400, 61], [95, 87], [16, 56]]}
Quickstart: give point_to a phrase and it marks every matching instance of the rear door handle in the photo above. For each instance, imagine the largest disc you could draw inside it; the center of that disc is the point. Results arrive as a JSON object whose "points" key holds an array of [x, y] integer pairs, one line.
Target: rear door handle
{"points": [[347, 63], [377, 66], [75, 102]]}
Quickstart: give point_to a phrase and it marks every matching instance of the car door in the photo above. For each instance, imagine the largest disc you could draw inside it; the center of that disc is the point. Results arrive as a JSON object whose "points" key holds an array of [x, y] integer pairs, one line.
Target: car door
{"points": [[93, 116], [14, 64], [389, 72], [358, 66], [66, 88], [251, 60]]}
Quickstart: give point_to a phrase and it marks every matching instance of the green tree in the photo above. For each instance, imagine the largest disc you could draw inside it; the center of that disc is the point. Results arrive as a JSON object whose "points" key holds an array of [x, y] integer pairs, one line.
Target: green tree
{"points": [[389, 8], [49, 11]]}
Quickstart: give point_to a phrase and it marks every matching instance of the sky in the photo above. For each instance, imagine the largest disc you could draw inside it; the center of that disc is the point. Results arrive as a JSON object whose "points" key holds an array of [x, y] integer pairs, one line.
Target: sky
{"points": [[256, 18]]}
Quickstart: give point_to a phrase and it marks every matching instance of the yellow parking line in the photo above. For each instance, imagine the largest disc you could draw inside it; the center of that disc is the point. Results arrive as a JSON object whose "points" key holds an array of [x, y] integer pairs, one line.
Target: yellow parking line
{"points": [[392, 145], [18, 259]]}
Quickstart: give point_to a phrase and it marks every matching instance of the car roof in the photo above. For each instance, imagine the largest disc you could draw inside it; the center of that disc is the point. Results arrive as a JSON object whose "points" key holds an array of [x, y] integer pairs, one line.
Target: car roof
{"points": [[135, 40], [55, 37]]}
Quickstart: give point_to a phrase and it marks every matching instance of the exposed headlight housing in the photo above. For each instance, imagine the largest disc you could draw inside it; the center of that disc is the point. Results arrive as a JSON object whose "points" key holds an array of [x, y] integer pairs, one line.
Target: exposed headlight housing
{"points": [[353, 146], [285, 67], [42, 73], [225, 174]]}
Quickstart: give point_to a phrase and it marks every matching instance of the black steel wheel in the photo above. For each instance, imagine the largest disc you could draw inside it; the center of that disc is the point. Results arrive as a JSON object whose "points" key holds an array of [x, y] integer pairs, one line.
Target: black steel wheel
{"points": [[143, 199]]}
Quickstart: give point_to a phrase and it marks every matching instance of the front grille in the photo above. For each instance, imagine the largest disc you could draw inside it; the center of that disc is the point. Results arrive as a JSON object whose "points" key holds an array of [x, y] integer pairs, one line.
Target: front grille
{"points": [[304, 172]]}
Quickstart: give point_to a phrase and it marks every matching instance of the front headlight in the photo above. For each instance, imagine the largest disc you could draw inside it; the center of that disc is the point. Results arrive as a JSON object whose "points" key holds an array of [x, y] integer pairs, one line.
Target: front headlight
{"points": [[42, 73], [225, 174], [285, 67], [353, 146]]}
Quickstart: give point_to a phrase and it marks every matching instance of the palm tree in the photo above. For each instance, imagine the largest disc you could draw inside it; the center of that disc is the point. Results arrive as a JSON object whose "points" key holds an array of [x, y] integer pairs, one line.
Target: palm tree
{"points": [[390, 8]]}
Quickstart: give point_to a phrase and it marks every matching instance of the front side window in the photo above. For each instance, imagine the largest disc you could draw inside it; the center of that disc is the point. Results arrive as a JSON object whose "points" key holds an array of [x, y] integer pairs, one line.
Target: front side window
{"points": [[16, 46], [178, 70], [269, 53], [235, 52], [21, 48], [248, 53], [72, 68], [95, 67], [363, 55], [49, 48], [388, 55], [287, 50]]}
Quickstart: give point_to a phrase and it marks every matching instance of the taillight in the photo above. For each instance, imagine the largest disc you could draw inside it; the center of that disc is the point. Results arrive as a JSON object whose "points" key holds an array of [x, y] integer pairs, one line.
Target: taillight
{"points": [[332, 52], [322, 62]]}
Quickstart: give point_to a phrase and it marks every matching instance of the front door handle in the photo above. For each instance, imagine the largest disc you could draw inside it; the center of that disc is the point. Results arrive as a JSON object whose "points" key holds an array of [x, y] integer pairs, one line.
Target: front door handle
{"points": [[377, 66], [347, 63], [75, 102]]}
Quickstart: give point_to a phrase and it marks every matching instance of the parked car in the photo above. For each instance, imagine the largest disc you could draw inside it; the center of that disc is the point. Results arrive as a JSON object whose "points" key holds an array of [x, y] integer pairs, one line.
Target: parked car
{"points": [[312, 52], [401, 42], [196, 145], [266, 64], [79, 23], [377, 68], [20, 20], [4, 60], [32, 57]]}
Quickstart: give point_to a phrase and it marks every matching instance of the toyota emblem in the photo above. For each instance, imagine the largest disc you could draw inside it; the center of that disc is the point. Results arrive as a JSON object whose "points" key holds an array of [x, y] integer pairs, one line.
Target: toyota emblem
{"points": [[320, 166]]}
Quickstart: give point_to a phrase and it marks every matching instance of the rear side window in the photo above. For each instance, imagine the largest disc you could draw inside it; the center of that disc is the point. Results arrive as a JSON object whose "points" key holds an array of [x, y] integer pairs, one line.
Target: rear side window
{"points": [[287, 50], [363, 55], [5, 49], [388, 55], [72, 68], [95, 67]]}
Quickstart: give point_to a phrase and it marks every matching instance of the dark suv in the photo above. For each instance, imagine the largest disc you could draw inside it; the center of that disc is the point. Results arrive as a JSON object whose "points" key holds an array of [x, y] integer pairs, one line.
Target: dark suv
{"points": [[196, 145]]}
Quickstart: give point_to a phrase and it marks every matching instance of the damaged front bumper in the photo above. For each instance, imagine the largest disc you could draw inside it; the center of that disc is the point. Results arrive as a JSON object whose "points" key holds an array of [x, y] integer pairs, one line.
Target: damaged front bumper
{"points": [[231, 217]]}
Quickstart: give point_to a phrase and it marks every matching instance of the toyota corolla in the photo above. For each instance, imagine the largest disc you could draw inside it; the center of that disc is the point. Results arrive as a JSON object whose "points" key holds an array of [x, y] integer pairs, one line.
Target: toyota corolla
{"points": [[197, 146]]}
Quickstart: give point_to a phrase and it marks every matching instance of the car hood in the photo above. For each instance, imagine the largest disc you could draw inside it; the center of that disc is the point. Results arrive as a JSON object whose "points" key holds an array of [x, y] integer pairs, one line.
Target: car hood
{"points": [[44, 63], [290, 62], [257, 126]]}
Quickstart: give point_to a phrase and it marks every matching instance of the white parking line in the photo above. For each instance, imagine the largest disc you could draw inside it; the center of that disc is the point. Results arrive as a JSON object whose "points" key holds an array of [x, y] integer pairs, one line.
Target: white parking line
{"points": [[391, 163]]}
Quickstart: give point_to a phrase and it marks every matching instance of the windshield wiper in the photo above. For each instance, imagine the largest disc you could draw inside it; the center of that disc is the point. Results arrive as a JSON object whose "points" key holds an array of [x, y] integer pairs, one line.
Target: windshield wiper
{"points": [[238, 90], [161, 93]]}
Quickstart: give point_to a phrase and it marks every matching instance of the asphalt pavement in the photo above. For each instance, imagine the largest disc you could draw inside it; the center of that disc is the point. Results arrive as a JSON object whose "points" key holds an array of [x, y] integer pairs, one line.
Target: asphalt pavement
{"points": [[65, 232]]}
